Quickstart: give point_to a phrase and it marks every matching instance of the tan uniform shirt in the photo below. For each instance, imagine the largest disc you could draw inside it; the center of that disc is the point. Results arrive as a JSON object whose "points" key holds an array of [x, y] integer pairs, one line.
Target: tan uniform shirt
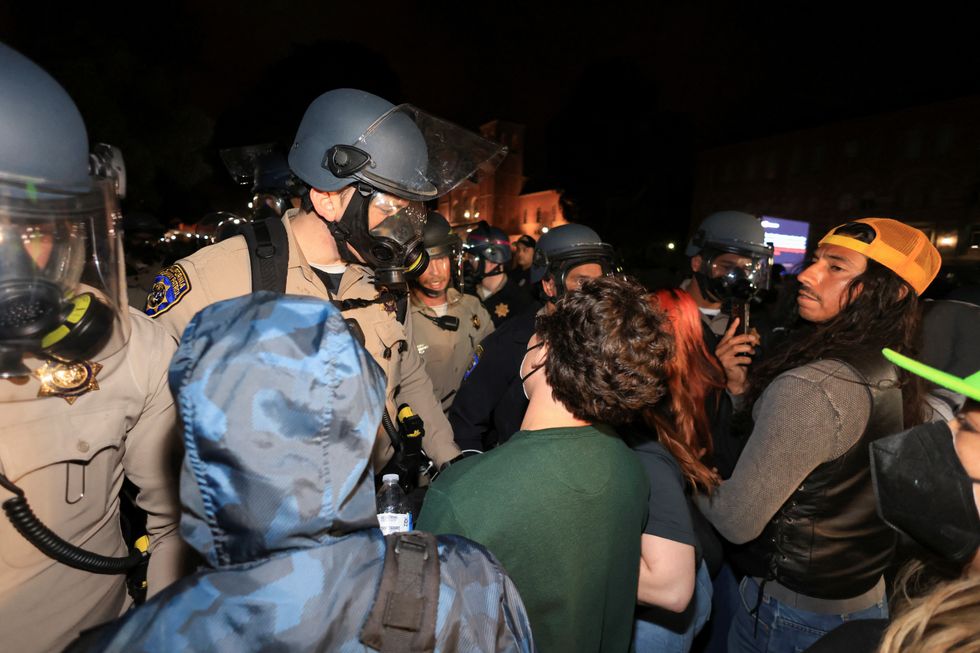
{"points": [[222, 271], [449, 354], [70, 460]]}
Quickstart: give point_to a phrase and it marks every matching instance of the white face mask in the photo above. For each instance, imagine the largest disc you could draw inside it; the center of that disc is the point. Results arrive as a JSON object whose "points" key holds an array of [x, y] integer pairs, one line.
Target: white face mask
{"points": [[521, 369]]}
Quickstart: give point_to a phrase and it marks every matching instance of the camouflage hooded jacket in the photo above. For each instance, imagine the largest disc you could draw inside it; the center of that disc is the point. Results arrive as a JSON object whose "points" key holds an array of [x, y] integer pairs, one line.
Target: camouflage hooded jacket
{"points": [[280, 407]]}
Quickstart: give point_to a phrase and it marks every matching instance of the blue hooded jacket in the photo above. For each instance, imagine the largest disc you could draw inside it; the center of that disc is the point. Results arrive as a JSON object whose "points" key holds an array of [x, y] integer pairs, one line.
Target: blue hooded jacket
{"points": [[281, 406]]}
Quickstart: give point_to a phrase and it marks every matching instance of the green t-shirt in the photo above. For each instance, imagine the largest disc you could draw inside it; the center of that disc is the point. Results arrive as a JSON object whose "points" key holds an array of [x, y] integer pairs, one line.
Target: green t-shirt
{"points": [[563, 510]]}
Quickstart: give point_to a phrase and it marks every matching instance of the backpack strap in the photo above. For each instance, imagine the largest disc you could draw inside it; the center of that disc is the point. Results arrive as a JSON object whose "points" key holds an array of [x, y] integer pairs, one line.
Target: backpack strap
{"points": [[268, 253], [403, 617]]}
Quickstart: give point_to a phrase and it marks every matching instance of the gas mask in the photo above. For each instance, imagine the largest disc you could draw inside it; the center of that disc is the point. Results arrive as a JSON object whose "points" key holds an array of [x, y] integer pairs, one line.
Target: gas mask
{"points": [[924, 491], [475, 264], [393, 248], [61, 279], [737, 276]]}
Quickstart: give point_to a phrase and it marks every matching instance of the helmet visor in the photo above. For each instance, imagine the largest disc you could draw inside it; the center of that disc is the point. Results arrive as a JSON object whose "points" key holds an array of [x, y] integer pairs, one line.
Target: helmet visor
{"points": [[241, 161], [54, 247], [420, 157], [744, 274], [392, 217]]}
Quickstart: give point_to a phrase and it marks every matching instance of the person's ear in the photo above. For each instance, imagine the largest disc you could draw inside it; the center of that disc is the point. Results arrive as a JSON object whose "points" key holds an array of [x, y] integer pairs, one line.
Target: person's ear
{"points": [[548, 285], [330, 205], [903, 291]]}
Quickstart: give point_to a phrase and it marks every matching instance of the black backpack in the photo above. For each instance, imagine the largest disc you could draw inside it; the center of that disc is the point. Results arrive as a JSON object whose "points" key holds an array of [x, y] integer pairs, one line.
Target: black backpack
{"points": [[268, 251]]}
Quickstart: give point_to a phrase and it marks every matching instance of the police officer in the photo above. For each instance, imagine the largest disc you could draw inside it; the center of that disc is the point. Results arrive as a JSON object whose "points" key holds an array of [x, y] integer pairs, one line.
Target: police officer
{"points": [[448, 325], [487, 252], [730, 265], [730, 260], [369, 165], [490, 404], [84, 401], [523, 257]]}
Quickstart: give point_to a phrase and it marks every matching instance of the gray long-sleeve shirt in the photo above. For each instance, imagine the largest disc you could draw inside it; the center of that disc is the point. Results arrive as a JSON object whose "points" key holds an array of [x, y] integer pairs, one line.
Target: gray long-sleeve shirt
{"points": [[807, 416]]}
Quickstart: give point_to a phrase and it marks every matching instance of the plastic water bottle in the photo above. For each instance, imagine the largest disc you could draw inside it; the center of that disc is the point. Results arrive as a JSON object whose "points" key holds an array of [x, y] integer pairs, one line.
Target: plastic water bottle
{"points": [[394, 515]]}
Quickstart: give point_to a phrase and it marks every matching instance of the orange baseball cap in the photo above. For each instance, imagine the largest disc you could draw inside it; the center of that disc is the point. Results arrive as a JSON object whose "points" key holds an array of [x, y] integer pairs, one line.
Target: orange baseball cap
{"points": [[904, 250]]}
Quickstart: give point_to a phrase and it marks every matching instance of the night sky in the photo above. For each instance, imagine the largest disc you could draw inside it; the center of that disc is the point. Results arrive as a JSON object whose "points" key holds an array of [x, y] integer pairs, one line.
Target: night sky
{"points": [[617, 100]]}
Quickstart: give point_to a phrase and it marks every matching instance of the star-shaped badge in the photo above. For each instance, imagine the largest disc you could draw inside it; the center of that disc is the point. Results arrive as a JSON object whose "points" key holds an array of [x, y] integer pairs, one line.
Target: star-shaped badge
{"points": [[501, 310], [67, 380]]}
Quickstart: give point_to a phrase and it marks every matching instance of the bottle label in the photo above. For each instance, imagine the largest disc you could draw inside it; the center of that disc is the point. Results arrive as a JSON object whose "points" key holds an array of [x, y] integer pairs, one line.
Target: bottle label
{"points": [[394, 522]]}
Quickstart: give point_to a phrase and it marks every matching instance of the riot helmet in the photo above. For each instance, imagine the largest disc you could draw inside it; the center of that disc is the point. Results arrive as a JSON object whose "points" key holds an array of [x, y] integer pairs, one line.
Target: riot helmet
{"points": [[566, 247], [62, 281], [484, 243], [735, 258], [395, 157], [440, 242], [439, 237]]}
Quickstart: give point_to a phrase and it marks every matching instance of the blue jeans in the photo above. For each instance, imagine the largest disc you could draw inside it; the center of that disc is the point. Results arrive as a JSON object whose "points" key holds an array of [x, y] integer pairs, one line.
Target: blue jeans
{"points": [[672, 632], [781, 628], [724, 603]]}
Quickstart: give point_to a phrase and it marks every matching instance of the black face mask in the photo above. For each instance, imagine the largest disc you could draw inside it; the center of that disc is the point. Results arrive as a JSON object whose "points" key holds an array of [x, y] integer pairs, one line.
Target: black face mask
{"points": [[394, 258], [924, 491]]}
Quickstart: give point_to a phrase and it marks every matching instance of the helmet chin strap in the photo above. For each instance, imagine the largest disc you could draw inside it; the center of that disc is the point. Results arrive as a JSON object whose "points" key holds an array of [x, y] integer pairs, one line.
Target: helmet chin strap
{"points": [[474, 277], [351, 228], [428, 292]]}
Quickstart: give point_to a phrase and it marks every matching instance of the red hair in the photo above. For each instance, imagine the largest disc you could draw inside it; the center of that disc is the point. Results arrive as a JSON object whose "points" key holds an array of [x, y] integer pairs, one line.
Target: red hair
{"points": [[694, 375]]}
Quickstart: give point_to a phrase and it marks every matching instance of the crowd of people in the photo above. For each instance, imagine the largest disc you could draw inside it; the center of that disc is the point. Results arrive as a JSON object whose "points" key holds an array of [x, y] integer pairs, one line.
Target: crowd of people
{"points": [[590, 464]]}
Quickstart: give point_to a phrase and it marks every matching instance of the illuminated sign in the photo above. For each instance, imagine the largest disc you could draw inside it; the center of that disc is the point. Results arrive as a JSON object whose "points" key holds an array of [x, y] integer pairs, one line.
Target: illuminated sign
{"points": [[788, 238]]}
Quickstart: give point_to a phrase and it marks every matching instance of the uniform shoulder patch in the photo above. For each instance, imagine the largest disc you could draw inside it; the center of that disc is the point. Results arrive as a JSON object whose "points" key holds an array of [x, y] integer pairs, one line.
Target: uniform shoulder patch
{"points": [[477, 352], [169, 287]]}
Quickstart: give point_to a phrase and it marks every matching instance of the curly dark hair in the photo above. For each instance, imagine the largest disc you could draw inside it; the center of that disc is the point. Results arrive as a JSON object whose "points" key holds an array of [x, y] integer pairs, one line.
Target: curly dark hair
{"points": [[608, 350], [876, 316]]}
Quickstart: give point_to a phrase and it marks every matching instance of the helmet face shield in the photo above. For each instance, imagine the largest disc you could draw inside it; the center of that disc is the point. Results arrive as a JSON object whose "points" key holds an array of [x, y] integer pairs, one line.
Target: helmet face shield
{"points": [[62, 285], [414, 155], [393, 217], [735, 275]]}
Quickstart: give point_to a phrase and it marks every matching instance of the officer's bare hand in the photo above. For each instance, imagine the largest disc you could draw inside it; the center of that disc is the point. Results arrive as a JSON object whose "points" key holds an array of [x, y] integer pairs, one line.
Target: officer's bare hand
{"points": [[735, 354]]}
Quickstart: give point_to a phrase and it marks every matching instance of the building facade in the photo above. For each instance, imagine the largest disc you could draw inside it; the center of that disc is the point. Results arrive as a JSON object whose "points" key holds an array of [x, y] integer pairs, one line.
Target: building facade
{"points": [[920, 165], [497, 197]]}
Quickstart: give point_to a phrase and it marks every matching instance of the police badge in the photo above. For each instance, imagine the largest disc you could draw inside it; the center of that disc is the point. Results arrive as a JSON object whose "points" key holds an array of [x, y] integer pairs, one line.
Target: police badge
{"points": [[67, 380]]}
